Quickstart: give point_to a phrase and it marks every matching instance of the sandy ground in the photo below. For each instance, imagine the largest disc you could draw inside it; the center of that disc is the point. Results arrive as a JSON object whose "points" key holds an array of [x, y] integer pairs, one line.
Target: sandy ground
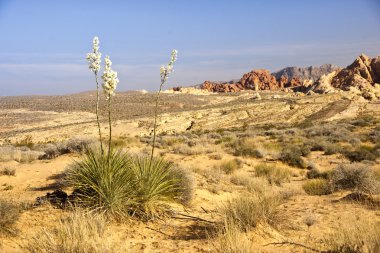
{"points": [[183, 235]]}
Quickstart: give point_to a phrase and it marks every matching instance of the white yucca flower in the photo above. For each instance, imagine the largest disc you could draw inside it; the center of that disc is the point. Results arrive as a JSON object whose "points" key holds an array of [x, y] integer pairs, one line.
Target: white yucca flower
{"points": [[165, 71], [94, 58], [110, 79]]}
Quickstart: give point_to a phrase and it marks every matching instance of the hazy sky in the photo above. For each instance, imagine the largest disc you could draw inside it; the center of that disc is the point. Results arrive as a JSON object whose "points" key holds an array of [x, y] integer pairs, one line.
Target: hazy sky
{"points": [[43, 43]]}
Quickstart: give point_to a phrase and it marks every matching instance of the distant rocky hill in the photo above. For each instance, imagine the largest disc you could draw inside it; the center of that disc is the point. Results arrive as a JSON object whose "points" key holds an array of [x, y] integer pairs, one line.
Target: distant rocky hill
{"points": [[361, 77], [308, 73]]}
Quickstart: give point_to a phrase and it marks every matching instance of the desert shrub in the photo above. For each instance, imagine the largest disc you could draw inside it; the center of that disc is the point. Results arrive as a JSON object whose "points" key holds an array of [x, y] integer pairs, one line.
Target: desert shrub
{"points": [[248, 210], [19, 154], [9, 215], [76, 144], [230, 166], [355, 236], [229, 239], [292, 155], [104, 185], [331, 132], [315, 173], [80, 232], [317, 186], [331, 148], [355, 176], [51, 151], [7, 171], [185, 183], [246, 147], [274, 174], [360, 153]]}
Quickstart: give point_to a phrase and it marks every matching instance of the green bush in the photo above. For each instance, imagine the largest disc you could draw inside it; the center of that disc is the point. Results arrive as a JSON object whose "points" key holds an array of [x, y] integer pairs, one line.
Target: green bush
{"points": [[155, 185], [104, 185], [317, 186], [128, 186], [274, 174]]}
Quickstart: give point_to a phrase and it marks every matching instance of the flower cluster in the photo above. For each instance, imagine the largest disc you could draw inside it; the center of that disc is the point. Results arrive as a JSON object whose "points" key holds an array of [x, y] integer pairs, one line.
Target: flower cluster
{"points": [[110, 79], [165, 71], [94, 58]]}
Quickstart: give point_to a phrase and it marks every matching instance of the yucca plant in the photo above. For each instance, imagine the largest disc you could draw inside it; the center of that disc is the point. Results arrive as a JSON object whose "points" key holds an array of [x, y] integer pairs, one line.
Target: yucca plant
{"points": [[155, 186], [104, 181]]}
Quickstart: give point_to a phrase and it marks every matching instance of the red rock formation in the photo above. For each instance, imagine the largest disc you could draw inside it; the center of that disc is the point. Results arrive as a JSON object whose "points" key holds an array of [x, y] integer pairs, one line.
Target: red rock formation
{"points": [[262, 78]]}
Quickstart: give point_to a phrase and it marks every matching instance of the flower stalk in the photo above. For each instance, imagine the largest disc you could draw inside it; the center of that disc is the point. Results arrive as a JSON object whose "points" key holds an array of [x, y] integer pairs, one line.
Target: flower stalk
{"points": [[94, 60], [110, 81], [165, 71]]}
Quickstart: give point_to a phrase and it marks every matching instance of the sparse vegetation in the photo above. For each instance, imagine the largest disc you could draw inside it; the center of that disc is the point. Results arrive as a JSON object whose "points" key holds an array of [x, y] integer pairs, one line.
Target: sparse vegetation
{"points": [[80, 232], [9, 215], [230, 166], [246, 147], [230, 239], [292, 155], [7, 171], [357, 236], [248, 210], [318, 186], [275, 174], [356, 177]]}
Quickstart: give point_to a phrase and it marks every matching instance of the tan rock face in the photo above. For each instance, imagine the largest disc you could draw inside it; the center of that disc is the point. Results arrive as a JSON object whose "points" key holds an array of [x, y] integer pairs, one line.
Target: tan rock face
{"points": [[360, 78], [221, 87]]}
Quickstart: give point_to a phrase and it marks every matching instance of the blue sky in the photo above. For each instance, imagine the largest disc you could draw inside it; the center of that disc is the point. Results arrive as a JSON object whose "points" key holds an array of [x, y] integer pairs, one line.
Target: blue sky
{"points": [[43, 43]]}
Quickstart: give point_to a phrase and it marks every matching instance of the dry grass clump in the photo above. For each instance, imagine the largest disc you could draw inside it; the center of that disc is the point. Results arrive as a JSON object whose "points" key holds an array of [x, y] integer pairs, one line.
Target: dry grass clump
{"points": [[356, 177], [318, 186], [253, 184], [9, 215], [248, 210], [355, 236], [274, 174], [246, 147], [198, 149], [19, 154], [230, 166], [80, 232], [230, 239], [7, 171]]}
